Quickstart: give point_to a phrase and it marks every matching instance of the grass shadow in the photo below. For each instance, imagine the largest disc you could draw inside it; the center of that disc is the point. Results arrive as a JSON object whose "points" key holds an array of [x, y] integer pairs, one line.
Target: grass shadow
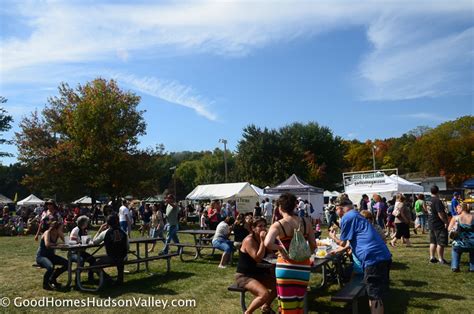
{"points": [[399, 300], [414, 283], [398, 266], [152, 285]]}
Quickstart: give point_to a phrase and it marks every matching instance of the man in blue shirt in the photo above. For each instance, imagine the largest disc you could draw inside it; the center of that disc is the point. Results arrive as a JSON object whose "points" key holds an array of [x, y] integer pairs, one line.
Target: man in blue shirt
{"points": [[370, 250], [454, 204]]}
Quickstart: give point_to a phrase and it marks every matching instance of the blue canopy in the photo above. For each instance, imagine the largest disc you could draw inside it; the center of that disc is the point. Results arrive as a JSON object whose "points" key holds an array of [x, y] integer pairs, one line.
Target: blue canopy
{"points": [[468, 184]]}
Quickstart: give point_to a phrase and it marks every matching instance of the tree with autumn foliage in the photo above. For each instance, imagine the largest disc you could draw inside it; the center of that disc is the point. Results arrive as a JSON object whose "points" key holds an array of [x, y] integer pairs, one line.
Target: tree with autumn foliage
{"points": [[84, 141]]}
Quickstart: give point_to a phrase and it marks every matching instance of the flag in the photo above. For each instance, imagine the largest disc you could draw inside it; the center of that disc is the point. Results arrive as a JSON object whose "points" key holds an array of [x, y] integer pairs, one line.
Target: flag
{"points": [[16, 198]]}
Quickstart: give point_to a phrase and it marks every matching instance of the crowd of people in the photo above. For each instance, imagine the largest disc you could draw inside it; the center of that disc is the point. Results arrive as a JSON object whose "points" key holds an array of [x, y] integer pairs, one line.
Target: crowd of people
{"points": [[363, 231]]}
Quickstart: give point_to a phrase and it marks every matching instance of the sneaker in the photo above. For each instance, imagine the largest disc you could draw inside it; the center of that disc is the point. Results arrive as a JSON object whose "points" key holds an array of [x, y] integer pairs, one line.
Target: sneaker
{"points": [[433, 260], [222, 266], [455, 270], [443, 262]]}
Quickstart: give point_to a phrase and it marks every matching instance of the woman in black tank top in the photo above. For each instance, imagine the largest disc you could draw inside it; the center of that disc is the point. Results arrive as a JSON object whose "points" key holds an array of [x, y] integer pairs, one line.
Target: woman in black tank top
{"points": [[248, 276]]}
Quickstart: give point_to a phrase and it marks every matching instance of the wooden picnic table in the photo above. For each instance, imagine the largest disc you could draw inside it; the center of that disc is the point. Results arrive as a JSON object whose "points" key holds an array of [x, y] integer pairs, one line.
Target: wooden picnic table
{"points": [[78, 248], [202, 240], [331, 267]]}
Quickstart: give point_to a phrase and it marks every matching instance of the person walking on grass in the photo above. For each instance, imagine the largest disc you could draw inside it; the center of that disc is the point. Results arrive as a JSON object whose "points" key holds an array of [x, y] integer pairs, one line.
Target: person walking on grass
{"points": [[420, 211], [438, 223], [402, 221], [172, 217]]}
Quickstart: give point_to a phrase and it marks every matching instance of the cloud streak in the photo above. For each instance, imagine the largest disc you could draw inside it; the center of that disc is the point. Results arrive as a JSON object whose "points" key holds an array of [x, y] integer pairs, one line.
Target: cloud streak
{"points": [[170, 91], [425, 116]]}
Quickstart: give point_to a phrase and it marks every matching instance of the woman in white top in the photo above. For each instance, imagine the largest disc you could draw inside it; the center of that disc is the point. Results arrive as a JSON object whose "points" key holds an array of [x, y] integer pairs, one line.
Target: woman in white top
{"points": [[82, 256]]}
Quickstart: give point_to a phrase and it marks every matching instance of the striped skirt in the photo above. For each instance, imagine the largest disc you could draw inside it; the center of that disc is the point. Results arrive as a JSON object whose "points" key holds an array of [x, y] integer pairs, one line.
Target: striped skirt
{"points": [[291, 282]]}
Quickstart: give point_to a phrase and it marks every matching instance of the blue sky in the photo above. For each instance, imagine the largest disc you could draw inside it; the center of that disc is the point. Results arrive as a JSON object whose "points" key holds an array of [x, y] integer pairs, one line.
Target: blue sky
{"points": [[205, 70]]}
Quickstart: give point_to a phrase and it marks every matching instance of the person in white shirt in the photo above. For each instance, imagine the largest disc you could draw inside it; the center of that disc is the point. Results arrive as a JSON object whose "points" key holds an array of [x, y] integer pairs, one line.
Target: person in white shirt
{"points": [[301, 207], [268, 210], [125, 217]]}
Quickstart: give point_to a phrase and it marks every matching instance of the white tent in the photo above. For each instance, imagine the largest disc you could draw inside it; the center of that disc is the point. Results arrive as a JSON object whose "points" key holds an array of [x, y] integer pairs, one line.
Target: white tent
{"points": [[386, 187], [87, 200], [331, 194], [30, 200], [242, 192], [5, 200]]}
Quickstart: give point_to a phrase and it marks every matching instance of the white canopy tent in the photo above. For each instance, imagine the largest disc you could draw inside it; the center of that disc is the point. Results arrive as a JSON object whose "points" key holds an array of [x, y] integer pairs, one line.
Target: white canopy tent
{"points": [[243, 193], [86, 200], [31, 200], [386, 187], [5, 200], [331, 194]]}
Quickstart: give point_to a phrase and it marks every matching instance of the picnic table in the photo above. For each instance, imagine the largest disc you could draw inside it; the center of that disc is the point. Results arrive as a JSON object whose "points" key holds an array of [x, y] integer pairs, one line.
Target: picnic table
{"points": [[202, 240], [332, 267], [77, 248]]}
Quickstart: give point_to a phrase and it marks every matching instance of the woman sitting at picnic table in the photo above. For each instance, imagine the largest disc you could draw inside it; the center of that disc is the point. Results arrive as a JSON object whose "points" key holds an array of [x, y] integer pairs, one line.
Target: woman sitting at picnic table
{"points": [[464, 237], [292, 277], [256, 280], [46, 258], [76, 234], [221, 240]]}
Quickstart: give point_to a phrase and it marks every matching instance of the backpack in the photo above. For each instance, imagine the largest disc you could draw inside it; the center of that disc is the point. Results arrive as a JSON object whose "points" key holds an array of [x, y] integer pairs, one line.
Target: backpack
{"points": [[299, 249]]}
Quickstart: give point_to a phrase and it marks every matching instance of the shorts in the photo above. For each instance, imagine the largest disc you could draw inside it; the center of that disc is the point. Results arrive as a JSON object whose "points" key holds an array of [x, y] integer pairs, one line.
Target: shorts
{"points": [[377, 280], [403, 230], [439, 237], [224, 245], [265, 278]]}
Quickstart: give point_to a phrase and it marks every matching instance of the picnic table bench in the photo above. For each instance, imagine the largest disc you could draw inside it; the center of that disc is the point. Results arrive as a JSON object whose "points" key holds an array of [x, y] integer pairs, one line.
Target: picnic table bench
{"points": [[100, 268], [351, 292], [202, 240]]}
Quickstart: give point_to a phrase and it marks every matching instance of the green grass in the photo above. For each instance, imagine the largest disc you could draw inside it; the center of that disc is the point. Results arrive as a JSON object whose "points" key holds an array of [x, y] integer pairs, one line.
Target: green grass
{"points": [[416, 285]]}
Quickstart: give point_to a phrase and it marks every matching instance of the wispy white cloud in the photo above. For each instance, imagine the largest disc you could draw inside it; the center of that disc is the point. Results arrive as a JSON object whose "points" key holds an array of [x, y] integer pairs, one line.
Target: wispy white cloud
{"points": [[428, 116], [416, 50], [170, 91]]}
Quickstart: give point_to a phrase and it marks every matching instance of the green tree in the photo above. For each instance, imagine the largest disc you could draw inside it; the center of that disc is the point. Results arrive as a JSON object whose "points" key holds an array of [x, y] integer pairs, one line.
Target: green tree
{"points": [[84, 141], [5, 125]]}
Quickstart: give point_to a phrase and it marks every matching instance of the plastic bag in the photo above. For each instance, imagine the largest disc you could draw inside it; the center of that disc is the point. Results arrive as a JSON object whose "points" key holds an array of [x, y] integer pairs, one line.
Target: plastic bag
{"points": [[299, 248]]}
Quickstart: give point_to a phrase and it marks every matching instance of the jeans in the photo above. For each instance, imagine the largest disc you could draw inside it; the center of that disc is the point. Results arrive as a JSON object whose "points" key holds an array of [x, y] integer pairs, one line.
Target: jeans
{"points": [[224, 245], [381, 222], [422, 221], [456, 257], [172, 235], [84, 257], [48, 263], [124, 226]]}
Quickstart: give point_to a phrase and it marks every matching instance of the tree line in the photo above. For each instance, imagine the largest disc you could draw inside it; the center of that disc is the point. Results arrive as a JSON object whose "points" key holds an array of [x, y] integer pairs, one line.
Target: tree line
{"points": [[85, 141]]}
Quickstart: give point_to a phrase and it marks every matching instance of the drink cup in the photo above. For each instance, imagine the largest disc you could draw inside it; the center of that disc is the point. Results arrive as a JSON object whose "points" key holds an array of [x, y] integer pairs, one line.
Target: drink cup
{"points": [[84, 239]]}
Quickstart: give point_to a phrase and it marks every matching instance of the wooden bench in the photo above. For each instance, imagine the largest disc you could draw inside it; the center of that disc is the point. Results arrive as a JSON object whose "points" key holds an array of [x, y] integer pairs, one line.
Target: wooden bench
{"points": [[351, 292], [198, 248], [235, 288], [100, 268]]}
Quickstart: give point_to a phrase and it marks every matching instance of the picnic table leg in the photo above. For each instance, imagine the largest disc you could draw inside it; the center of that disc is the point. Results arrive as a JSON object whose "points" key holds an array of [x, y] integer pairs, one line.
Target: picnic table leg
{"points": [[138, 256], [198, 250], [69, 269], [146, 256]]}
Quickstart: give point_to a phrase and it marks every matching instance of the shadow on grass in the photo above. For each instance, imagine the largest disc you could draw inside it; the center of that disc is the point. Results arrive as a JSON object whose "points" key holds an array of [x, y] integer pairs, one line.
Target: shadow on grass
{"points": [[398, 266], [414, 283], [399, 299], [153, 285]]}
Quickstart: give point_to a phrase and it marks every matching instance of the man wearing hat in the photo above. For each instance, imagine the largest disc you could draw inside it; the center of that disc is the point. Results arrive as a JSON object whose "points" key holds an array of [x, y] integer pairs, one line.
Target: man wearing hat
{"points": [[454, 204], [369, 248]]}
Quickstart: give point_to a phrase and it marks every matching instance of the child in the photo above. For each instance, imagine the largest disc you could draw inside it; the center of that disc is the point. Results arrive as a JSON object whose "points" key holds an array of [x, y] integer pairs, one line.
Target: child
{"points": [[157, 226], [204, 221], [20, 226]]}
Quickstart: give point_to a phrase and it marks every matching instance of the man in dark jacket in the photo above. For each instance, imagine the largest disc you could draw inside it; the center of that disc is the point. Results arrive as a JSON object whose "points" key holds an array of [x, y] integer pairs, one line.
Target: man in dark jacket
{"points": [[116, 245]]}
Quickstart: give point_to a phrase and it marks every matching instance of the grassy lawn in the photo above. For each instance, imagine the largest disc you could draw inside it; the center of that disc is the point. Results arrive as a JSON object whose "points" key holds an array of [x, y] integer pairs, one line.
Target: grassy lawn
{"points": [[416, 285]]}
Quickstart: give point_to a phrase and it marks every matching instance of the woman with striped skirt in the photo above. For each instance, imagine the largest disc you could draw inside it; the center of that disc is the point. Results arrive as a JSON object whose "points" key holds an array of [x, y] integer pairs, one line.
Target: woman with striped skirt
{"points": [[292, 277]]}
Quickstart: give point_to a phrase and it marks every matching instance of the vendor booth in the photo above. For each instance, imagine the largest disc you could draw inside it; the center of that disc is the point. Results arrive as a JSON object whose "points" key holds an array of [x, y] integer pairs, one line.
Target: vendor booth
{"points": [[85, 200], [31, 200], [301, 189], [5, 200], [242, 193], [378, 182]]}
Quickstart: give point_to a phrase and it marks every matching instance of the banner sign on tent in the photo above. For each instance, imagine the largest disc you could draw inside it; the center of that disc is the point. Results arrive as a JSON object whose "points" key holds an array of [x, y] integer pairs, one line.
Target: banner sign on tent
{"points": [[367, 178]]}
